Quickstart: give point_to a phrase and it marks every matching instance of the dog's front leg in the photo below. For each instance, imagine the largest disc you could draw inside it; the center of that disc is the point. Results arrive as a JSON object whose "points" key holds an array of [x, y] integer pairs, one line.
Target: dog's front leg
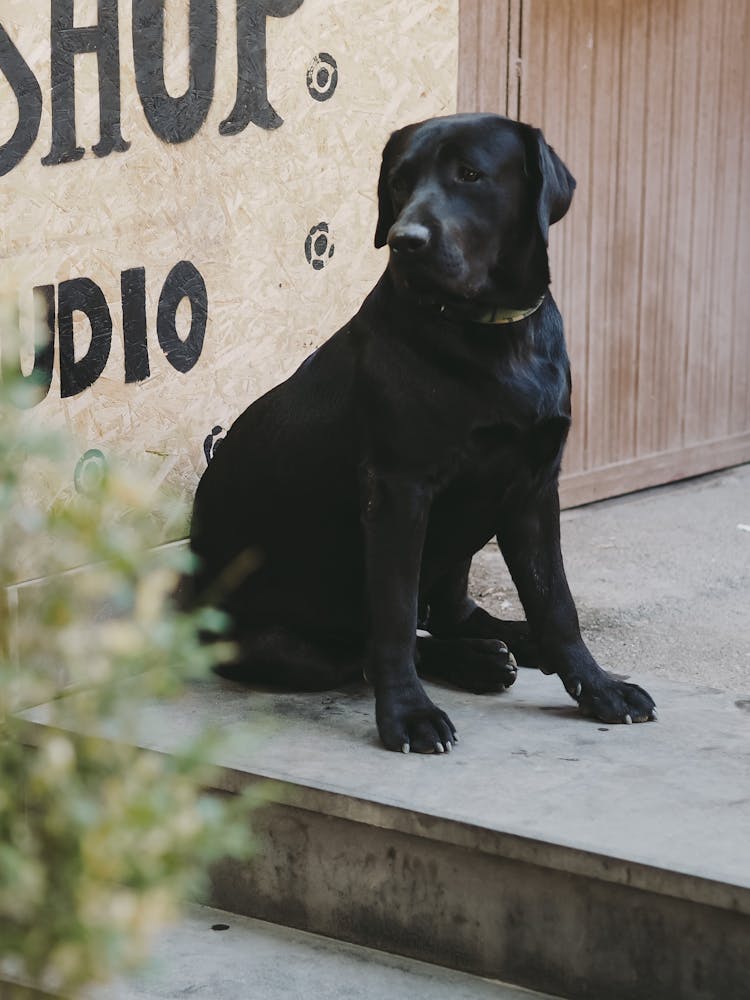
{"points": [[530, 543], [395, 512]]}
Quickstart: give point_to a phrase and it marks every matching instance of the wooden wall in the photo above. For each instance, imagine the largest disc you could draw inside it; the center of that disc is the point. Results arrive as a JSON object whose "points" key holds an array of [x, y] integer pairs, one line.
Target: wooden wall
{"points": [[648, 102]]}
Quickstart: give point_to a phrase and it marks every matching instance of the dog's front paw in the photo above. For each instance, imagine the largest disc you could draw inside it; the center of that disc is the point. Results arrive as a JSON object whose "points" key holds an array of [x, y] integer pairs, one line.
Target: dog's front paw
{"points": [[611, 700], [410, 721]]}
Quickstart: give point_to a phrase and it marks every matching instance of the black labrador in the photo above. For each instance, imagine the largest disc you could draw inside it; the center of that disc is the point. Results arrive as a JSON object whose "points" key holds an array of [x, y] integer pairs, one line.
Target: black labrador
{"points": [[433, 420]]}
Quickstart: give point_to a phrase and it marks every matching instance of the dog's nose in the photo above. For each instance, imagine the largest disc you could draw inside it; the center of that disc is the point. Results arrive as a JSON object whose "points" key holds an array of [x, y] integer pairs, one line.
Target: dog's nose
{"points": [[410, 237]]}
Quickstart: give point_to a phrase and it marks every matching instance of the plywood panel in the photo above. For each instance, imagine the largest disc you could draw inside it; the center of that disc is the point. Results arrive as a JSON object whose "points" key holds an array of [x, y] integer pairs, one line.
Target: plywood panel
{"points": [[256, 206], [648, 101]]}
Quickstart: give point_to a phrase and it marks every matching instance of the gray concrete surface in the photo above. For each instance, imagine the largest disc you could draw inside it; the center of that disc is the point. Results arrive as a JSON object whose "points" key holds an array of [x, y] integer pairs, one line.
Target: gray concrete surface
{"points": [[547, 849], [529, 768], [254, 960], [661, 579]]}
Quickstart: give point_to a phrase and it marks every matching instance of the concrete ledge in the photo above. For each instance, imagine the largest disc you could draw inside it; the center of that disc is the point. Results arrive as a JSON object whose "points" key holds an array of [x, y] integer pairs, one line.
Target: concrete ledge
{"points": [[485, 914]]}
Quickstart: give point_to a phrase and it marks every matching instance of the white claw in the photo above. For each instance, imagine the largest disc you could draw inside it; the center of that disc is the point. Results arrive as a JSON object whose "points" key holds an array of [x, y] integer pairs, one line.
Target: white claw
{"points": [[512, 660], [448, 746], [405, 748], [440, 748], [577, 692], [654, 714], [628, 721]]}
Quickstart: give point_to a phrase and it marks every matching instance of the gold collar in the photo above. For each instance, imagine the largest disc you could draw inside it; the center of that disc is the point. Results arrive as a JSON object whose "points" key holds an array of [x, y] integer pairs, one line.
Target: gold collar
{"points": [[497, 316]]}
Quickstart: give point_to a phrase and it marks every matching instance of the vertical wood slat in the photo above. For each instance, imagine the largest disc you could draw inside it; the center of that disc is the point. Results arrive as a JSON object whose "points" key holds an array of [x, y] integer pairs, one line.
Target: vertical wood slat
{"points": [[655, 352], [629, 217], [700, 358], [513, 69], [469, 56], [739, 389], [597, 417], [648, 101], [489, 38], [570, 264], [714, 408]]}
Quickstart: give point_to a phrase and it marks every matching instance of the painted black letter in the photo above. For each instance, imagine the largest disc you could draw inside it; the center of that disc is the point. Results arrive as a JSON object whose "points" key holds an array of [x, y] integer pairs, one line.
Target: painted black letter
{"points": [[29, 96], [65, 41], [183, 280], [174, 119], [251, 104], [84, 295], [133, 285]]}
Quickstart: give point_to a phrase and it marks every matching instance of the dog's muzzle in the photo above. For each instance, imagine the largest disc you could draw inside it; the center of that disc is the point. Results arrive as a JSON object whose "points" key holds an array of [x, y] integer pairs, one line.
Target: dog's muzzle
{"points": [[408, 238]]}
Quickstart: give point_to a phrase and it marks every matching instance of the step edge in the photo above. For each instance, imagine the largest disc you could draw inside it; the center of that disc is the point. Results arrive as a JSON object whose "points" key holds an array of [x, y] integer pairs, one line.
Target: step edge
{"points": [[514, 846]]}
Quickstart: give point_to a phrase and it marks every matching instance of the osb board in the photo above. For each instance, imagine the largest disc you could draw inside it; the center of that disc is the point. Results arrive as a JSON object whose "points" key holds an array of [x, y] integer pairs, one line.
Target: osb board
{"points": [[238, 207]]}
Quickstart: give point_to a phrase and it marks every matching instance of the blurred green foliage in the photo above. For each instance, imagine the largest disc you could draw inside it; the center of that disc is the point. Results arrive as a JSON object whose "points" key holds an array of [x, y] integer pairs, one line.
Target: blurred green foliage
{"points": [[100, 841]]}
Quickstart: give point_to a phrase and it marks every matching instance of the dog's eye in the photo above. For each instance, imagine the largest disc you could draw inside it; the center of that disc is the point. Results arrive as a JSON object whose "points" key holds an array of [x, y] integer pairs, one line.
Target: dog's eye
{"points": [[468, 175]]}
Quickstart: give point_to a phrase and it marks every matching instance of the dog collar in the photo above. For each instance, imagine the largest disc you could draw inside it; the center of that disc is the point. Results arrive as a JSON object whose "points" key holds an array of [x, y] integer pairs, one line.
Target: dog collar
{"points": [[498, 316]]}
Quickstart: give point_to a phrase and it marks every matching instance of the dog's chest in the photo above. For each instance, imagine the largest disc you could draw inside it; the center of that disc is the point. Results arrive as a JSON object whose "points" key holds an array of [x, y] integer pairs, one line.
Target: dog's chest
{"points": [[517, 427], [504, 457], [502, 466]]}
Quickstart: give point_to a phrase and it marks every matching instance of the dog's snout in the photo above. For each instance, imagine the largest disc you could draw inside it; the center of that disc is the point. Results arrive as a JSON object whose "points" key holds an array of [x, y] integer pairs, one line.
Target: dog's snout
{"points": [[410, 237]]}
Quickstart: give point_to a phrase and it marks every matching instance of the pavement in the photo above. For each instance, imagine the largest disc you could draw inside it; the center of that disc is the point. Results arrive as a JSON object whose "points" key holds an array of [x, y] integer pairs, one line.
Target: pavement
{"points": [[246, 959], [661, 579]]}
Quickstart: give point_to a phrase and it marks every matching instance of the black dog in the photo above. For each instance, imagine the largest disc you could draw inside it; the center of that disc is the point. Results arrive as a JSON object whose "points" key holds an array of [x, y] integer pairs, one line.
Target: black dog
{"points": [[435, 419]]}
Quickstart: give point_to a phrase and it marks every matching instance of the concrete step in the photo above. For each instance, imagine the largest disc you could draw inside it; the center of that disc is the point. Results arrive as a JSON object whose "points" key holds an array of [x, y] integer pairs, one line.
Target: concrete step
{"points": [[253, 960], [548, 850]]}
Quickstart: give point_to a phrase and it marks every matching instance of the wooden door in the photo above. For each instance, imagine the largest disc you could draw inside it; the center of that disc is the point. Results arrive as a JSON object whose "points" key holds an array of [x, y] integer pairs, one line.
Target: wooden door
{"points": [[648, 102]]}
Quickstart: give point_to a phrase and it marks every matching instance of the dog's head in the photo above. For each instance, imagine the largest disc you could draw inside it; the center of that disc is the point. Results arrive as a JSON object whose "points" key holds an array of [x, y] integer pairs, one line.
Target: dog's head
{"points": [[465, 205]]}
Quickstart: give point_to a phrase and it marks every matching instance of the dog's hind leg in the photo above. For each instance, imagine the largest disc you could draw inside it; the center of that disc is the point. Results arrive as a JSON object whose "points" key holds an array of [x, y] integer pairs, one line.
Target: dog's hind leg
{"points": [[484, 666], [279, 657], [454, 615], [480, 624]]}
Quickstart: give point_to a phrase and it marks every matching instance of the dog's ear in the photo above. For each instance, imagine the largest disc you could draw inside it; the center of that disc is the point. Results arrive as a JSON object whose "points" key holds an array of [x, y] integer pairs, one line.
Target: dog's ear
{"points": [[386, 218], [556, 183], [385, 205]]}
